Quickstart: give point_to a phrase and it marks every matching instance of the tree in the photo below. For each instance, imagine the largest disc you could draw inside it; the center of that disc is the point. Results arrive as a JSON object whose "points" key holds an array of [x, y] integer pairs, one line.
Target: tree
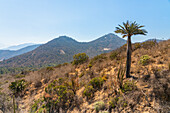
{"points": [[17, 87], [80, 58], [127, 30]]}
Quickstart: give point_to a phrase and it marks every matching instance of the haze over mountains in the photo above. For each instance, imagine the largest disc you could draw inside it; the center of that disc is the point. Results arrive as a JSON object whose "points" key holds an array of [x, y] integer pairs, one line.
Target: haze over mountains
{"points": [[17, 47], [6, 54], [62, 49]]}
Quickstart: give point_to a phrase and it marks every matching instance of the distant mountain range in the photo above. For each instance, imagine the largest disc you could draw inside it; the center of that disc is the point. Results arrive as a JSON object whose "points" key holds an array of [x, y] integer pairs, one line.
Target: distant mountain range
{"points": [[6, 54], [17, 47], [62, 49]]}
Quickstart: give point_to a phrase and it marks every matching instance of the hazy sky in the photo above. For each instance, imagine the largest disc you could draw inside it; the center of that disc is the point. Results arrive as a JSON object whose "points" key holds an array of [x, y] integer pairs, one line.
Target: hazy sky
{"points": [[38, 21]]}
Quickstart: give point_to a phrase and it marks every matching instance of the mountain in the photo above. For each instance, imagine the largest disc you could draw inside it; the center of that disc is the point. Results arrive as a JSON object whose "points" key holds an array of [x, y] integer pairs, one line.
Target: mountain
{"points": [[17, 47], [62, 49], [6, 54]]}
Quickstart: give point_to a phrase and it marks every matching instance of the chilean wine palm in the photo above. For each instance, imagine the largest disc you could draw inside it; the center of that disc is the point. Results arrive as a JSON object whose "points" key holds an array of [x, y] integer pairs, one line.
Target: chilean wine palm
{"points": [[17, 87], [127, 30]]}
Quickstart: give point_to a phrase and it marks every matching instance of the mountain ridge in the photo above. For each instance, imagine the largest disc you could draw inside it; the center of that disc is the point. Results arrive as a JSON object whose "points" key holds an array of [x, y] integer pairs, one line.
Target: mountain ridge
{"points": [[62, 49]]}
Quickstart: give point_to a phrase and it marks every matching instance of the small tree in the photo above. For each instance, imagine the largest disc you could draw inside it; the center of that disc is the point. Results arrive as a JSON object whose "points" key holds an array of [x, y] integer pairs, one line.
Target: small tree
{"points": [[17, 88], [80, 58], [127, 30]]}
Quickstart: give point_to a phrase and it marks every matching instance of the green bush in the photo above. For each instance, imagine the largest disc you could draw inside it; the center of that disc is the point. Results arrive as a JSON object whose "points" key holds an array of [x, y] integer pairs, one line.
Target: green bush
{"points": [[64, 64], [98, 58], [18, 86], [114, 55], [35, 105], [58, 94], [128, 86], [58, 97], [137, 46], [48, 69], [19, 76], [79, 58], [118, 102], [88, 92], [144, 60], [149, 44], [97, 82], [100, 105], [113, 102], [90, 65], [58, 66]]}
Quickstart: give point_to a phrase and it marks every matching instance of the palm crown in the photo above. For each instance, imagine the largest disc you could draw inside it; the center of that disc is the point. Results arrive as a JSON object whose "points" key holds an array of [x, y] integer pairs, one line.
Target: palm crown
{"points": [[130, 28]]}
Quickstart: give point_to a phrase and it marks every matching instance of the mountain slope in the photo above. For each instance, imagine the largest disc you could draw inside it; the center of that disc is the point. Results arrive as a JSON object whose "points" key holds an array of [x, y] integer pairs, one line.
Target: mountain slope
{"points": [[6, 54], [62, 49]]}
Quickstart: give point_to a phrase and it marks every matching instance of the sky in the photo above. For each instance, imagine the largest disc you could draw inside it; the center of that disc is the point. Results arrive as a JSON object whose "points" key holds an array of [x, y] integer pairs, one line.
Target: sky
{"points": [[39, 21]]}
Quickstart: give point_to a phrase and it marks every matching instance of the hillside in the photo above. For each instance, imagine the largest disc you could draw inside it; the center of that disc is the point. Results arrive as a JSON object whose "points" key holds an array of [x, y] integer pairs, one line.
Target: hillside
{"points": [[97, 85], [62, 49], [6, 54]]}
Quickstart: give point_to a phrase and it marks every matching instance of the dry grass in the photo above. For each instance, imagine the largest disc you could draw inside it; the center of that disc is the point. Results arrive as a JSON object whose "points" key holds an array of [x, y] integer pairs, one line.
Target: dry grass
{"points": [[152, 80]]}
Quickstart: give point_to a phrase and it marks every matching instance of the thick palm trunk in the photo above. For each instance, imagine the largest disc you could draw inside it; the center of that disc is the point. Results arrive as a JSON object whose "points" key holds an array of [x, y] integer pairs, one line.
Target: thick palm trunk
{"points": [[128, 61]]}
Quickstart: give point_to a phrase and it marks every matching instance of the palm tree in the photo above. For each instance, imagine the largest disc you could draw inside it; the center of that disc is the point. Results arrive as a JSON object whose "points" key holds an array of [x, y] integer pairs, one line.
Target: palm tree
{"points": [[17, 88], [127, 30]]}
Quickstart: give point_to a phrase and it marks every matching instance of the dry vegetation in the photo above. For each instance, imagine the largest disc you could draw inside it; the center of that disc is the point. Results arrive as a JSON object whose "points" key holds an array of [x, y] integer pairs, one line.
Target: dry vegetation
{"points": [[98, 85]]}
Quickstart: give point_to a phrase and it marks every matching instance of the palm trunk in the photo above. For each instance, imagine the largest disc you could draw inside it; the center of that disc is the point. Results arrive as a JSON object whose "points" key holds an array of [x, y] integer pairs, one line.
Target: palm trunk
{"points": [[128, 61], [14, 103]]}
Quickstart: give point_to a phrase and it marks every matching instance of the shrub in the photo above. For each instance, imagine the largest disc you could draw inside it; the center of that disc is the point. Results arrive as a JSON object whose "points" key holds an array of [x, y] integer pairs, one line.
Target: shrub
{"points": [[113, 102], [100, 105], [120, 76], [38, 84], [98, 58], [60, 81], [137, 46], [18, 86], [118, 102], [58, 66], [19, 76], [80, 58], [35, 105], [128, 86], [74, 85], [90, 65], [97, 82], [58, 97], [48, 69], [149, 44], [64, 64], [114, 55], [88, 92], [144, 60]]}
